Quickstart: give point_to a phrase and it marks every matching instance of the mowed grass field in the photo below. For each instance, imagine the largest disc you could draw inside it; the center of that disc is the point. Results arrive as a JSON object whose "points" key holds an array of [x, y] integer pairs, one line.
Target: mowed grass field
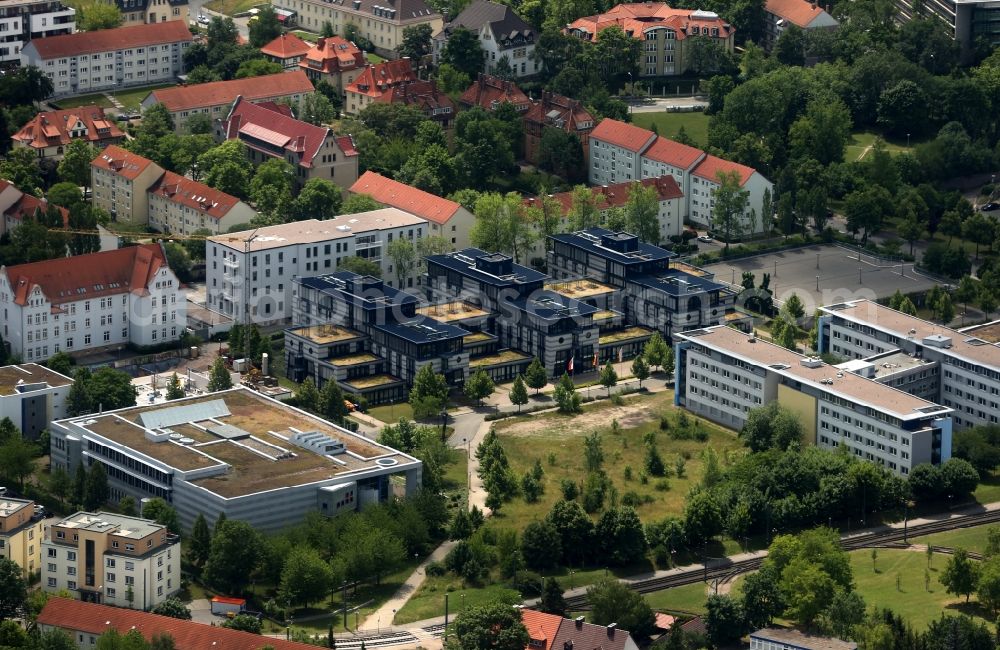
{"points": [[971, 539], [668, 124]]}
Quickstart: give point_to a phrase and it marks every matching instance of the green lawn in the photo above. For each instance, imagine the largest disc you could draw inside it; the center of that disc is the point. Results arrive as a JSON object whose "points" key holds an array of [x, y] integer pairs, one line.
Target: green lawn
{"points": [[305, 36], [688, 599], [231, 7], [667, 124], [971, 539], [861, 140], [84, 100], [373, 58], [390, 413], [428, 601]]}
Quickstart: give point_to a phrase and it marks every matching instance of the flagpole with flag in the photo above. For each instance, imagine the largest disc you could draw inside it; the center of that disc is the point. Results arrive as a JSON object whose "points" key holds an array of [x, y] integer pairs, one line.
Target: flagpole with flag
{"points": [[569, 366]]}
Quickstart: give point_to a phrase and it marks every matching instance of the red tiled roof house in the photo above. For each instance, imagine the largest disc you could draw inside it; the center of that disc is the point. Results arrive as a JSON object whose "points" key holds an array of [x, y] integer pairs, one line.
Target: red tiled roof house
{"points": [[424, 95], [335, 60], [552, 632], [374, 80], [16, 206], [489, 92], [286, 50], [779, 15], [48, 133], [313, 151], [555, 112], [447, 218]]}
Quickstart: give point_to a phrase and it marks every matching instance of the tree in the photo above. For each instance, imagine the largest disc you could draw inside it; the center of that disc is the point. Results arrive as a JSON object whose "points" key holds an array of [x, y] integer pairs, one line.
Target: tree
{"points": [[621, 536], [416, 42], [235, 554], [483, 145], [200, 542], [640, 369], [493, 626], [429, 393], [162, 513], [307, 395], [642, 211], [771, 427], [128, 507], [552, 601], [173, 608], [731, 203], [317, 109], [360, 203], [583, 212], [535, 376], [761, 600], [75, 165], [360, 265], [174, 389], [724, 620], [518, 393], [501, 226], [99, 15], [608, 377], [265, 28], [331, 402], [96, 491], [218, 377], [988, 584], [463, 52], [403, 256], [60, 484], [20, 168], [612, 601], [656, 351], [244, 623], [960, 574], [305, 577], [566, 396], [540, 545], [866, 210], [318, 199], [17, 458], [702, 518], [79, 484], [561, 153], [13, 589]]}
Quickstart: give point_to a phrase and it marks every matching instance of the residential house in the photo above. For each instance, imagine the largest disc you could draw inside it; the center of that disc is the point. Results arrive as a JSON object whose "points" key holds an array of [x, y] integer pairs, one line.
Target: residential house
{"points": [[553, 632], [25, 20], [380, 22], [779, 15], [446, 218], [16, 206], [508, 42], [556, 112], [489, 93], [109, 59], [286, 50], [49, 132], [104, 557], [32, 396], [373, 81], [215, 98], [664, 30], [21, 534], [119, 179], [334, 60], [181, 206], [312, 151], [791, 639], [85, 303], [425, 96], [139, 12]]}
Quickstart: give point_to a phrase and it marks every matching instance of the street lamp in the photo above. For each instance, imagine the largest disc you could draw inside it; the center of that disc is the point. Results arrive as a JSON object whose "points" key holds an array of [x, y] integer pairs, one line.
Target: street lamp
{"points": [[444, 421]]}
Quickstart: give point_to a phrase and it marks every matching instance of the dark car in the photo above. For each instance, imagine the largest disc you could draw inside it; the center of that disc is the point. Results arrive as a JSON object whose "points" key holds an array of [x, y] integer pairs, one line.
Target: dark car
{"points": [[990, 207]]}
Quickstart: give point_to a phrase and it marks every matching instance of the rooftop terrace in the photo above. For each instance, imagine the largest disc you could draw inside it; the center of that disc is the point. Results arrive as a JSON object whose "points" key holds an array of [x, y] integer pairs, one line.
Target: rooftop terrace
{"points": [[325, 334], [580, 289], [452, 311]]}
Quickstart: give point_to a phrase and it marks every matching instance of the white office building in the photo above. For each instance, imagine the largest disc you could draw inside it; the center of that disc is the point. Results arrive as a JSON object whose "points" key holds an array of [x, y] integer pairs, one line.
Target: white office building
{"points": [[721, 373], [256, 268], [86, 303], [24, 20], [32, 396]]}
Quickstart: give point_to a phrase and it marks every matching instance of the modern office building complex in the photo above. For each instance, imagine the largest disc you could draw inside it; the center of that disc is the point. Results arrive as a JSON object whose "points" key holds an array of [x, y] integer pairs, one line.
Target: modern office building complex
{"points": [[967, 21], [235, 452], [21, 533], [960, 370], [25, 20], [109, 558], [32, 396], [254, 270], [722, 373]]}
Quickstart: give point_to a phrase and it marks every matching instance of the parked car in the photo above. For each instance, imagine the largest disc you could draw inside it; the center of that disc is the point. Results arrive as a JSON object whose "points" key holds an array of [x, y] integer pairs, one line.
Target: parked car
{"points": [[990, 207], [203, 19], [705, 238]]}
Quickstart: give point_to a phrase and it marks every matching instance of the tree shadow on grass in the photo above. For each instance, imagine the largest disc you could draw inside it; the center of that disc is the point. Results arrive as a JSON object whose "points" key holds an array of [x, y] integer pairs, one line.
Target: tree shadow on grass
{"points": [[972, 609]]}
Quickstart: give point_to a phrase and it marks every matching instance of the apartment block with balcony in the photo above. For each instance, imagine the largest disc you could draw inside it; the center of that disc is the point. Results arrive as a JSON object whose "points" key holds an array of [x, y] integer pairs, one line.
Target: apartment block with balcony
{"points": [[25, 20], [21, 533], [109, 558]]}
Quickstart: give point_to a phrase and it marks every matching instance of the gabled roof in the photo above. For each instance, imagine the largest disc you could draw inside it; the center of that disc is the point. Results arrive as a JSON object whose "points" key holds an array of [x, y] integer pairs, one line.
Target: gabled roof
{"points": [[122, 162], [560, 112], [542, 628], [799, 12], [503, 22], [671, 152], [376, 79], [488, 92], [710, 167], [333, 54], [192, 194], [286, 46], [616, 195], [120, 38], [620, 134], [399, 195], [52, 128], [25, 205], [94, 619], [423, 94], [636, 18], [68, 279], [399, 11], [570, 633], [213, 93]]}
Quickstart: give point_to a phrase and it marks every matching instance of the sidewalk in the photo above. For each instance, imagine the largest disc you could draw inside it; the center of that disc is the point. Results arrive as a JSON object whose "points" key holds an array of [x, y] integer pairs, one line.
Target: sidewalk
{"points": [[387, 611]]}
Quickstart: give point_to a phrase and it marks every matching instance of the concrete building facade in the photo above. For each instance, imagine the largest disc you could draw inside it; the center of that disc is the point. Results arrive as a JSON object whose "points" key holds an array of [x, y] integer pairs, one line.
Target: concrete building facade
{"points": [[32, 396], [21, 534], [508, 42], [25, 20]]}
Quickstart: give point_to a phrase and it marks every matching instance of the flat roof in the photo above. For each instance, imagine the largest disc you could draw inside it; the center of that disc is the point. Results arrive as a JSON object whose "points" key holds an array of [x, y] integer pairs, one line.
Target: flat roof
{"points": [[674, 282], [366, 291], [989, 332], [10, 506], [634, 332], [314, 230], [324, 334], [109, 522], [785, 362], [895, 362], [550, 306], [966, 345], [801, 640], [474, 263], [254, 463], [591, 241], [422, 329], [580, 288], [451, 311], [29, 373], [504, 356]]}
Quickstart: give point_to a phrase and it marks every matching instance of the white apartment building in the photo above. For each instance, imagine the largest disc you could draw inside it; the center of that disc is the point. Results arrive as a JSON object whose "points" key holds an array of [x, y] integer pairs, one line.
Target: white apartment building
{"points": [[962, 369], [180, 205], [32, 396], [90, 62], [502, 34], [120, 180], [721, 373], [255, 268], [621, 152], [90, 302], [24, 20], [108, 558]]}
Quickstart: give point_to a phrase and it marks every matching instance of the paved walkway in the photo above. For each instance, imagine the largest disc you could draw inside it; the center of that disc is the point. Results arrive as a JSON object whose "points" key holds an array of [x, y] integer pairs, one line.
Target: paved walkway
{"points": [[387, 611]]}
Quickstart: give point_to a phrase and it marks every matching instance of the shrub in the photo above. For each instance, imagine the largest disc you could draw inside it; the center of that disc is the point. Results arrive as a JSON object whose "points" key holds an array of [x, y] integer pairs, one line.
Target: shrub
{"points": [[436, 569], [627, 473], [663, 485], [631, 499], [570, 490]]}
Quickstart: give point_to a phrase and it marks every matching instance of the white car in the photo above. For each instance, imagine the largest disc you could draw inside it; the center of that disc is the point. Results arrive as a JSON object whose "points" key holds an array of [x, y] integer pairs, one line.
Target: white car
{"points": [[705, 238], [203, 19]]}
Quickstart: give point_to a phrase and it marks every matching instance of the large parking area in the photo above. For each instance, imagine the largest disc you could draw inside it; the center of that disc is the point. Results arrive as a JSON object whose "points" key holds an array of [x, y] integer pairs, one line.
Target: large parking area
{"points": [[823, 275]]}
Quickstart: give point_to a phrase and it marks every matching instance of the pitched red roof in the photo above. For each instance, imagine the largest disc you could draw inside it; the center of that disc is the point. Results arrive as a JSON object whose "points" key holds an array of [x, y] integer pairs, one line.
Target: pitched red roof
{"points": [[559, 633], [68, 279], [398, 195], [378, 78], [122, 162], [52, 128], [422, 94], [286, 46], [195, 195], [120, 38], [542, 628], [671, 152], [712, 165], [90, 618], [616, 195], [333, 54], [488, 92], [25, 206], [797, 12], [562, 112], [213, 93], [622, 135], [636, 18], [253, 124]]}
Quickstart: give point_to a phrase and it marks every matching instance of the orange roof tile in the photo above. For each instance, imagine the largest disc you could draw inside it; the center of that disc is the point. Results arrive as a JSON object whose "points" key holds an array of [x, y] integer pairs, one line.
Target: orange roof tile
{"points": [[122, 162], [616, 195], [125, 270], [553, 109], [195, 195], [623, 135], [398, 195], [797, 12], [333, 54], [488, 92], [26, 206], [93, 619], [671, 152], [425, 95], [378, 78], [542, 628], [635, 18], [51, 128], [213, 93], [286, 46], [710, 167], [103, 40]]}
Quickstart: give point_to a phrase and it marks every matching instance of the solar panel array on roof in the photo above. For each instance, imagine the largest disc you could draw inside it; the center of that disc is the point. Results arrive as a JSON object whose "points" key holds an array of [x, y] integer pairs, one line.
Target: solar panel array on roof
{"points": [[168, 417]]}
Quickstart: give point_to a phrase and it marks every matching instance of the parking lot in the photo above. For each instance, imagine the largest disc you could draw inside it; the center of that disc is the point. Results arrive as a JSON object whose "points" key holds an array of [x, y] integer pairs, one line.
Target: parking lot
{"points": [[823, 275]]}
